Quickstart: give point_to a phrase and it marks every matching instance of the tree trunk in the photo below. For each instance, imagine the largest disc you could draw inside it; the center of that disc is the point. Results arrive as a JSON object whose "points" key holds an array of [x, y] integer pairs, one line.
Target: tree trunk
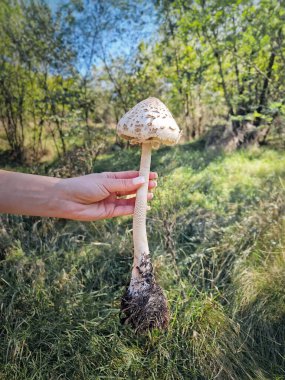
{"points": [[263, 98]]}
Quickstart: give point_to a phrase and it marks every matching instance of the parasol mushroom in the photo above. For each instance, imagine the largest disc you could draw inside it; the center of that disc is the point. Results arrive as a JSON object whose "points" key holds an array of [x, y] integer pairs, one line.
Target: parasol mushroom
{"points": [[144, 305]]}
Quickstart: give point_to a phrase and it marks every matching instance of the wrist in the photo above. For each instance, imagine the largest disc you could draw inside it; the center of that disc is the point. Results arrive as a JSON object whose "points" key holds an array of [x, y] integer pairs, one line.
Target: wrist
{"points": [[41, 196], [54, 198], [63, 204]]}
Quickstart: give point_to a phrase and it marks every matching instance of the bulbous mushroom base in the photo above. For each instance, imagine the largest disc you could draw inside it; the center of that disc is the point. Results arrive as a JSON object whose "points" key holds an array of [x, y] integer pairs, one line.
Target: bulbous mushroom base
{"points": [[145, 309]]}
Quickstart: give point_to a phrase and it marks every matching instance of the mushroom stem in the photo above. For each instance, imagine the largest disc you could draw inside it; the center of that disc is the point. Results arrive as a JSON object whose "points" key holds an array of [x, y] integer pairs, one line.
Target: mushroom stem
{"points": [[141, 249], [143, 305]]}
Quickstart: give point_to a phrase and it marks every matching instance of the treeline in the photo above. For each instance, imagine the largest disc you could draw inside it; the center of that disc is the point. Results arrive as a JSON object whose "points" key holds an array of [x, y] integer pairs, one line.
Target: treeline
{"points": [[210, 61], [37, 81], [228, 55]]}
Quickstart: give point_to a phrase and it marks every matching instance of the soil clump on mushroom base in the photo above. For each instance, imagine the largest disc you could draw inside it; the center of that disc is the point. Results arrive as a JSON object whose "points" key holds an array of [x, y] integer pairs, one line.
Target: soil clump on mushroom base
{"points": [[144, 305], [145, 310]]}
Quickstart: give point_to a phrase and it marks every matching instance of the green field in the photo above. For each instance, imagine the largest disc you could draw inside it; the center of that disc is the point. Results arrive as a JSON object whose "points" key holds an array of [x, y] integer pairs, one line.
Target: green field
{"points": [[217, 235]]}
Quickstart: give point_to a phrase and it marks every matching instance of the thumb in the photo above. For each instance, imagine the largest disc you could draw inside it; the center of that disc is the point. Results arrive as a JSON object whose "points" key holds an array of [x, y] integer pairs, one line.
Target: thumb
{"points": [[123, 185]]}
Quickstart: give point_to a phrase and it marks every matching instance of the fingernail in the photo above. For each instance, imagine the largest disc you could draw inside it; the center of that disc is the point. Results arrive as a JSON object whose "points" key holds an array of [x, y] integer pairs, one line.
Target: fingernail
{"points": [[138, 180], [150, 195], [153, 183], [155, 175], [148, 208]]}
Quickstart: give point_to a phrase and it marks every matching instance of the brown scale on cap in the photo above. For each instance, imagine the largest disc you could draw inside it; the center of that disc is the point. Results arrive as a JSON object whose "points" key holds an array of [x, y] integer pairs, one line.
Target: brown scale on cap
{"points": [[149, 113]]}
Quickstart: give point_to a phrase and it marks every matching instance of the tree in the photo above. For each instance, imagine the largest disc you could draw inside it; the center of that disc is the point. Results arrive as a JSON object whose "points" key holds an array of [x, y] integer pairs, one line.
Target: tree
{"points": [[242, 48], [33, 48]]}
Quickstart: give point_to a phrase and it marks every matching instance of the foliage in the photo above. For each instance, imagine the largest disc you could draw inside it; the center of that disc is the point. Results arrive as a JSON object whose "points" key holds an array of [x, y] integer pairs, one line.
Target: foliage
{"points": [[89, 62], [33, 46], [50, 85], [230, 52]]}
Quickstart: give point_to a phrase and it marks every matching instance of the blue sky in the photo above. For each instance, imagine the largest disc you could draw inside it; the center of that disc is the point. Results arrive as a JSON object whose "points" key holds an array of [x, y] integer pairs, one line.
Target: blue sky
{"points": [[53, 4], [145, 29]]}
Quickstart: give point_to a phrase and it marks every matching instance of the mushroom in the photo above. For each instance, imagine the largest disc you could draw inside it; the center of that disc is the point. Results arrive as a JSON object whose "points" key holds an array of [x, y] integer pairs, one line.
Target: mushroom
{"points": [[144, 305]]}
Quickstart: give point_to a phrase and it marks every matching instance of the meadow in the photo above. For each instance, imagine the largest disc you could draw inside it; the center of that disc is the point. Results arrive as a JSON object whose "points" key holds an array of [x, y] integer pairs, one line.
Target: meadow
{"points": [[216, 231]]}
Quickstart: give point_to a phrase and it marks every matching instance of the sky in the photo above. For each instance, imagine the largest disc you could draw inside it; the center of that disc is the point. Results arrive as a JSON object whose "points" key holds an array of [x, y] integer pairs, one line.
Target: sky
{"points": [[144, 29], [53, 4]]}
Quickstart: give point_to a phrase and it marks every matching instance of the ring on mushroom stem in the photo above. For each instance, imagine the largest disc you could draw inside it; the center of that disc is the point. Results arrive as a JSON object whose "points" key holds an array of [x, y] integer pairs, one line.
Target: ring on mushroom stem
{"points": [[144, 305]]}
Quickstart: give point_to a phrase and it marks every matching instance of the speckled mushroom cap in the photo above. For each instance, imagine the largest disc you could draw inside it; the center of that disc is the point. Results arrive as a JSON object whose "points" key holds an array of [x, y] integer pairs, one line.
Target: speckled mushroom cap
{"points": [[149, 121]]}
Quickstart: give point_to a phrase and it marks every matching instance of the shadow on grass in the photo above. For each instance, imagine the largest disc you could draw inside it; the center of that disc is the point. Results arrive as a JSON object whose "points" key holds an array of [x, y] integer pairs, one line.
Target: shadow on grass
{"points": [[193, 155], [166, 159]]}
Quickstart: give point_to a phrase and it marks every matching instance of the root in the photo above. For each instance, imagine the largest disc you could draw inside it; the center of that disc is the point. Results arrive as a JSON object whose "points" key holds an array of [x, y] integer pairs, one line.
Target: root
{"points": [[146, 309]]}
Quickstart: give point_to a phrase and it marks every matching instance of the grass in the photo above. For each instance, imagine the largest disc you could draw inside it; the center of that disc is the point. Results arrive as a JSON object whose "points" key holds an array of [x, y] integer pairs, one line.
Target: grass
{"points": [[216, 232]]}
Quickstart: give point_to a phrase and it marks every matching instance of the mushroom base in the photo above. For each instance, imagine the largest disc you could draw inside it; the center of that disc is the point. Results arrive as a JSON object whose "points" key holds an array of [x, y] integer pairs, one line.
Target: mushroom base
{"points": [[146, 309]]}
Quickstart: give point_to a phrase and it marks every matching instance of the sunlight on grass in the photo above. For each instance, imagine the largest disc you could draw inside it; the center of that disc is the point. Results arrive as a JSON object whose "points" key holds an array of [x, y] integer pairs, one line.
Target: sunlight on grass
{"points": [[217, 238]]}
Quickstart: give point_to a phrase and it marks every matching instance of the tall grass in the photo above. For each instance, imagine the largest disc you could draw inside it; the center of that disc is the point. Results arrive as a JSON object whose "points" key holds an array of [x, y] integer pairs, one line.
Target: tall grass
{"points": [[216, 232]]}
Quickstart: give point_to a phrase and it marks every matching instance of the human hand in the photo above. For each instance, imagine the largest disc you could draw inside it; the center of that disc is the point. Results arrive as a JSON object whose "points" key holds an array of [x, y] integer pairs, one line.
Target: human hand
{"points": [[99, 196]]}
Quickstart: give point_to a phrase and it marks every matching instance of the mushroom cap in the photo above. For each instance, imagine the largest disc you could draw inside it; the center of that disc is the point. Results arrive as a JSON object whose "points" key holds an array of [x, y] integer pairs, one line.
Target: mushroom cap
{"points": [[149, 121]]}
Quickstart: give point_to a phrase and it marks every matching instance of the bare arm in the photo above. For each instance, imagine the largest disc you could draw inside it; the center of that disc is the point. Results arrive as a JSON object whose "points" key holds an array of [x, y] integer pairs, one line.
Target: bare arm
{"points": [[90, 197]]}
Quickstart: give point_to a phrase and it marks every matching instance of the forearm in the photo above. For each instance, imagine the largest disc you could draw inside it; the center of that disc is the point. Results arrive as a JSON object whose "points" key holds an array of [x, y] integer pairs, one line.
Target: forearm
{"points": [[86, 198], [27, 194]]}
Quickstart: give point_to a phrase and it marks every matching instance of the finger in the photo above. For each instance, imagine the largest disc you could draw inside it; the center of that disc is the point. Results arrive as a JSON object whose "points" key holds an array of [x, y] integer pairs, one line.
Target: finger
{"points": [[153, 175], [125, 202], [103, 210], [127, 174], [124, 208], [123, 185], [121, 201], [107, 209], [151, 185]]}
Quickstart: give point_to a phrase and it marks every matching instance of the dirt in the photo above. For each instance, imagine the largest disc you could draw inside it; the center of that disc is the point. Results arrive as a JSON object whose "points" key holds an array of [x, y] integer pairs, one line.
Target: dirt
{"points": [[145, 310]]}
